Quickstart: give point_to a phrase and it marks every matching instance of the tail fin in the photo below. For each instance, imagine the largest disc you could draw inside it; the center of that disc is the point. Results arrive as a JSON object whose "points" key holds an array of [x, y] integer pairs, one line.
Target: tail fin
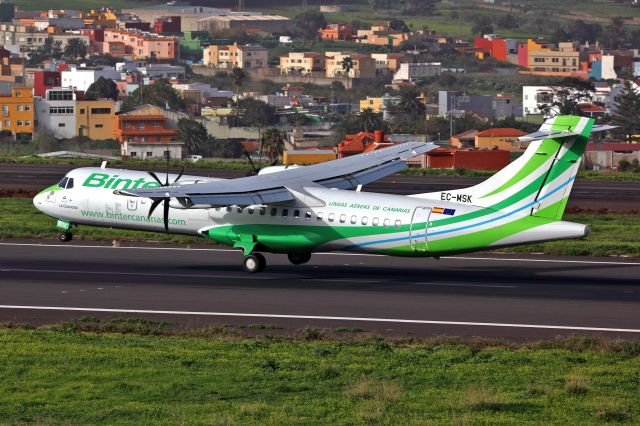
{"points": [[541, 179]]}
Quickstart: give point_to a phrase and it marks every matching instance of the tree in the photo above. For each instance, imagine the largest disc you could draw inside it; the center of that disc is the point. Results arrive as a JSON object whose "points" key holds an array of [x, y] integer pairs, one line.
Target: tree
{"points": [[381, 4], [296, 119], [193, 134], [49, 50], [419, 7], [161, 93], [566, 96], [348, 64], [238, 76], [308, 23], [370, 120], [507, 21], [627, 113], [223, 148], [616, 34], [75, 49], [255, 113], [272, 143], [398, 25], [102, 88], [408, 104], [482, 25]]}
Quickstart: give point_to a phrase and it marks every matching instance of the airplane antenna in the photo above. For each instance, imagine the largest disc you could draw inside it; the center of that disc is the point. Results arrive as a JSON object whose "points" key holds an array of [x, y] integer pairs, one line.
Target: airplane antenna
{"points": [[103, 165]]}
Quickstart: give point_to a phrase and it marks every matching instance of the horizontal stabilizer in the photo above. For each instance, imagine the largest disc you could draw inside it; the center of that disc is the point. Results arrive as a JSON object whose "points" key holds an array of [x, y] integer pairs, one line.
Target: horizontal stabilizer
{"points": [[555, 134]]}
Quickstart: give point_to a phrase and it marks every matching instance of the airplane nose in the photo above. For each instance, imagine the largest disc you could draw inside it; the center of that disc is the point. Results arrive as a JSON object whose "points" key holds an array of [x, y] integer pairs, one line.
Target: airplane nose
{"points": [[38, 201]]}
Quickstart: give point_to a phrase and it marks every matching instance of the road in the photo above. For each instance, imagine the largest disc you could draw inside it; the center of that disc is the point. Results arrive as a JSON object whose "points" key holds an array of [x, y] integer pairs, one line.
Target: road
{"points": [[496, 296], [586, 194]]}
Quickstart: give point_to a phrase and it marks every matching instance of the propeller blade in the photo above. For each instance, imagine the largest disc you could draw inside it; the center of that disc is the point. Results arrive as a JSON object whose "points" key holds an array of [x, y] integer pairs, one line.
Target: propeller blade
{"points": [[180, 175], [253, 166], [166, 214], [274, 163], [155, 176], [155, 204]]}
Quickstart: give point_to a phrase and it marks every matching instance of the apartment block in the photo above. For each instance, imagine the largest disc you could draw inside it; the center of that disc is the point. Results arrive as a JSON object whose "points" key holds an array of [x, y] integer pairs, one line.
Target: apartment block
{"points": [[56, 112], [18, 113], [138, 44], [94, 119], [231, 56], [364, 65], [80, 78], [388, 63]]}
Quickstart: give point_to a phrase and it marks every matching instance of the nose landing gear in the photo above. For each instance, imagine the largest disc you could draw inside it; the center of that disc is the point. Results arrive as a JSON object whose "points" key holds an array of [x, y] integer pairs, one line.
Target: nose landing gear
{"points": [[253, 263], [65, 237]]}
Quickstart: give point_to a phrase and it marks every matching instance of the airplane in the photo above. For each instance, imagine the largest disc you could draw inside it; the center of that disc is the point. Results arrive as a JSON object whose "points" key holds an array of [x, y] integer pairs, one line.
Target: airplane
{"points": [[318, 208]]}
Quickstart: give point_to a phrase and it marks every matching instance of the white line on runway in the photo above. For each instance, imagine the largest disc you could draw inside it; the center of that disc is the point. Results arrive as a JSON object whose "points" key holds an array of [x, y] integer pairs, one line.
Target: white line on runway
{"points": [[321, 317], [491, 259], [240, 277]]}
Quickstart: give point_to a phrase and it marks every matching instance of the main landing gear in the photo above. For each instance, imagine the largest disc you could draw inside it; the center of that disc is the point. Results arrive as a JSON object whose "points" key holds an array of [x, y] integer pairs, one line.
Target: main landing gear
{"points": [[299, 258], [65, 237], [254, 263]]}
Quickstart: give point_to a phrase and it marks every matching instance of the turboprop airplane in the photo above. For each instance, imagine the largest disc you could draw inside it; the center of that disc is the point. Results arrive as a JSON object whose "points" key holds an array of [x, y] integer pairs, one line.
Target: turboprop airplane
{"points": [[306, 209]]}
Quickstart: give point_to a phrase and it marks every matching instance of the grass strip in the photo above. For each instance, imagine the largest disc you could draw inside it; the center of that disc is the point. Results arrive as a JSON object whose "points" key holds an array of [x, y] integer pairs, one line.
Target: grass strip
{"points": [[612, 234], [93, 374]]}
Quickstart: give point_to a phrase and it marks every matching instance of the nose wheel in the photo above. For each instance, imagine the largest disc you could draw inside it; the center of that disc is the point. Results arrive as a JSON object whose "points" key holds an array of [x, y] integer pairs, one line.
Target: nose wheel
{"points": [[65, 237], [254, 263]]}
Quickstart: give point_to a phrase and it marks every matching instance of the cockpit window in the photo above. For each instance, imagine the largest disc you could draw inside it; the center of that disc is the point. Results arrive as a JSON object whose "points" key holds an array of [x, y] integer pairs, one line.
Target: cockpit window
{"points": [[69, 183], [63, 182]]}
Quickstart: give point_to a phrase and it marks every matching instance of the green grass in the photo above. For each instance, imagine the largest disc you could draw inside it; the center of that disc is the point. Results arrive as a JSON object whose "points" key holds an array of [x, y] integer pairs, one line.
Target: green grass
{"points": [[612, 234], [64, 376]]}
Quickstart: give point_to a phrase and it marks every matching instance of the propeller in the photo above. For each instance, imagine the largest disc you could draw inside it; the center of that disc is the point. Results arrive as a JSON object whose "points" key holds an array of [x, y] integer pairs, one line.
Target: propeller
{"points": [[166, 199], [255, 170]]}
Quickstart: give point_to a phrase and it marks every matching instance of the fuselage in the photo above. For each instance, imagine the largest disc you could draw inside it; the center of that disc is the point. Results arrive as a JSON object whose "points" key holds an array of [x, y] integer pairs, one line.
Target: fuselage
{"points": [[321, 220]]}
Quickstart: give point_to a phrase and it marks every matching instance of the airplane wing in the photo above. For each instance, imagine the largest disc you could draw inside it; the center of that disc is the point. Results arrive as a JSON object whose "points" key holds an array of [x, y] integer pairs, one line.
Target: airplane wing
{"points": [[345, 173]]}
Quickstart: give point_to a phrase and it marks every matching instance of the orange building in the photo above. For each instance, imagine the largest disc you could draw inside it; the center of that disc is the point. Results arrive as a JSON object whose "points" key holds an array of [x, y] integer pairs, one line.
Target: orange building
{"points": [[18, 112], [131, 127], [501, 138], [341, 32]]}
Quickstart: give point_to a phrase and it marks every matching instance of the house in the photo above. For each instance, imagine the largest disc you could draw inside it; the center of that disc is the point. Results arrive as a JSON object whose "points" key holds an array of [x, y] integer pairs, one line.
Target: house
{"points": [[469, 159], [382, 35], [388, 63], [138, 44], [342, 32], [167, 25], [466, 139], [364, 66], [501, 49], [18, 113], [487, 106], [80, 78], [410, 72], [504, 138], [232, 56], [302, 62], [145, 133], [360, 142], [55, 112], [308, 156], [94, 119], [375, 104], [607, 156]]}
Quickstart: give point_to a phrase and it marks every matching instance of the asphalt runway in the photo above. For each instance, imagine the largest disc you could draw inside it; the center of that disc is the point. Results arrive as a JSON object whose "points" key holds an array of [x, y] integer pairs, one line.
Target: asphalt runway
{"points": [[586, 194], [495, 296]]}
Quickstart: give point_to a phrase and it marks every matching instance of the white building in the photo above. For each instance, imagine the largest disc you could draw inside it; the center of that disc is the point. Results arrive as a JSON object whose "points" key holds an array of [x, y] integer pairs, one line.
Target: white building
{"points": [[167, 71], [150, 150], [416, 71], [80, 78], [205, 90], [55, 113]]}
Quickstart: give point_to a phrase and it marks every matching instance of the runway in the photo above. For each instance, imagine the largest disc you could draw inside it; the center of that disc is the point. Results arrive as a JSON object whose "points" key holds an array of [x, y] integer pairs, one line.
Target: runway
{"points": [[497, 296], [586, 194]]}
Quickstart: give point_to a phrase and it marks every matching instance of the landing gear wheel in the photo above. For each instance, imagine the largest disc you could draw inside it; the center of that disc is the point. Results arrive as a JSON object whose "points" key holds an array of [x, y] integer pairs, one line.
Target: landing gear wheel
{"points": [[65, 237], [299, 258], [254, 263]]}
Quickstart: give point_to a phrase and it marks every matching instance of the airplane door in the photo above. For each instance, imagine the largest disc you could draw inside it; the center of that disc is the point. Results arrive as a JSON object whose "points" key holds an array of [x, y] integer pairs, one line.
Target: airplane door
{"points": [[418, 231]]}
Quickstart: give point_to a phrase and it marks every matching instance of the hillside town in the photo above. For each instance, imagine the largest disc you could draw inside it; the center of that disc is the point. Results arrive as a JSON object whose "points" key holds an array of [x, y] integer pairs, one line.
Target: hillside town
{"points": [[181, 80]]}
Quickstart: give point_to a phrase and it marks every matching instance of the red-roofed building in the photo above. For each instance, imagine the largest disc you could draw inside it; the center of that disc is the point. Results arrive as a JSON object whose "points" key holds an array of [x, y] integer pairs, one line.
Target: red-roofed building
{"points": [[605, 156], [501, 138], [360, 142], [592, 110], [337, 32]]}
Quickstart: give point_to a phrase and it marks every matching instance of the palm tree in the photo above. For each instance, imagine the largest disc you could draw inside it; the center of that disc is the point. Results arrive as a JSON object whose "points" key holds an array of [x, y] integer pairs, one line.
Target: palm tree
{"points": [[409, 103], [348, 64], [75, 48], [272, 143], [238, 76], [192, 133], [369, 119]]}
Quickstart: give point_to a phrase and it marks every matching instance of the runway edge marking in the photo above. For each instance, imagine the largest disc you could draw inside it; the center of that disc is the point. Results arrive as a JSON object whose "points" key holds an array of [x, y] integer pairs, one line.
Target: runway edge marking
{"points": [[493, 259], [320, 317]]}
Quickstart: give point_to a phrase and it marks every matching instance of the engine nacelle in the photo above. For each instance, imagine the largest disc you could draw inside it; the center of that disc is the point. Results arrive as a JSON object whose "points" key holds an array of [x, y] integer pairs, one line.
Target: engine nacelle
{"points": [[274, 169]]}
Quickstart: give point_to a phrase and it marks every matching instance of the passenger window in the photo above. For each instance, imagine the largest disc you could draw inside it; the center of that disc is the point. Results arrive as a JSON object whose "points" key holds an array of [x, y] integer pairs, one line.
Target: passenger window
{"points": [[239, 209], [251, 210], [354, 219], [364, 220], [343, 218], [397, 224], [331, 217], [274, 211], [386, 223], [285, 212], [229, 208], [296, 214], [307, 215], [319, 216], [375, 221], [217, 209], [263, 210], [69, 183]]}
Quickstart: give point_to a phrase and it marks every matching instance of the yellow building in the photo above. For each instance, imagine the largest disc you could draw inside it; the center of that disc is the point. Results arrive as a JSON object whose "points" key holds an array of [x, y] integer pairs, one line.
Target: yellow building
{"points": [[500, 138], [94, 119], [374, 103], [233, 55], [302, 62], [18, 113], [303, 157], [364, 66], [563, 59], [382, 35]]}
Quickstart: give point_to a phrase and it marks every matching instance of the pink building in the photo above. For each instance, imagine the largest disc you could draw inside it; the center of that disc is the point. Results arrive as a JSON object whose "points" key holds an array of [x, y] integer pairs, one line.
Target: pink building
{"points": [[139, 45]]}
